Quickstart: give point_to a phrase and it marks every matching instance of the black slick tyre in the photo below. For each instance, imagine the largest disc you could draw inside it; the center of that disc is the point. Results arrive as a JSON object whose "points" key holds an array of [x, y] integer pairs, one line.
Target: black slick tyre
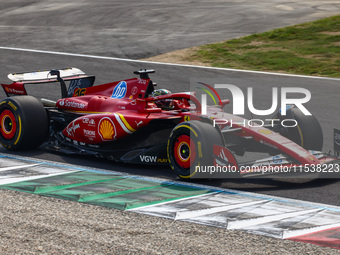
{"points": [[190, 145], [307, 133], [23, 123]]}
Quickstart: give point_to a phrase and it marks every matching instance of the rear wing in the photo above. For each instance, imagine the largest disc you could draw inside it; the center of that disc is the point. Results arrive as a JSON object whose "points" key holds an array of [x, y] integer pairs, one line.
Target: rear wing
{"points": [[77, 77]]}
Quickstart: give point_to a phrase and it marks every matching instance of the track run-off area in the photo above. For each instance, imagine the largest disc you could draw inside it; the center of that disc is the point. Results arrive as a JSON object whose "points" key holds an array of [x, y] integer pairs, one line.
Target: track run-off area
{"points": [[271, 216]]}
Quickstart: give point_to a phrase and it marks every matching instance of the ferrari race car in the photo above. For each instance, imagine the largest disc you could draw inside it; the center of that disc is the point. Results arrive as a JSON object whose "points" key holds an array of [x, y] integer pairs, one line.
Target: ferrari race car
{"points": [[130, 121]]}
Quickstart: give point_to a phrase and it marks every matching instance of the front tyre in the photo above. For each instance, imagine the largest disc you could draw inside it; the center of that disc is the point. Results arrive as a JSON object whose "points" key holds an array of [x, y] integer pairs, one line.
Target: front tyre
{"points": [[190, 145], [23, 123], [307, 133]]}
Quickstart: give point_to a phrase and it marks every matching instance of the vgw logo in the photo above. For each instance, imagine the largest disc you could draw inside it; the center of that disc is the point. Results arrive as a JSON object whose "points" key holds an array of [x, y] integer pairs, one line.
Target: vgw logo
{"points": [[120, 90], [239, 101]]}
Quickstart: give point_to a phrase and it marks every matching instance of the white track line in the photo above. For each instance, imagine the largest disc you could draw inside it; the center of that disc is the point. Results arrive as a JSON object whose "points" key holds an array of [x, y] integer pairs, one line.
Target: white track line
{"points": [[299, 232], [4, 169], [188, 214], [161, 63], [241, 224]]}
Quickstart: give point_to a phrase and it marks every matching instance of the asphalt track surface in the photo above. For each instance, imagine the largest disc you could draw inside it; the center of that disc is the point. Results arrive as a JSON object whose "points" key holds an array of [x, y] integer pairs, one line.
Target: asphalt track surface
{"points": [[139, 29], [134, 29]]}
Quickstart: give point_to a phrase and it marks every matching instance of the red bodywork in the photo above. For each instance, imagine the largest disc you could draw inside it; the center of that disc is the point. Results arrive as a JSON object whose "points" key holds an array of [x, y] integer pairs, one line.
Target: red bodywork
{"points": [[104, 118]]}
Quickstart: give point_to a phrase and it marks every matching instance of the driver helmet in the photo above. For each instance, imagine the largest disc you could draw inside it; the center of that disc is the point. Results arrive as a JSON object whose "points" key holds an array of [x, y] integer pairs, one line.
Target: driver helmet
{"points": [[164, 104]]}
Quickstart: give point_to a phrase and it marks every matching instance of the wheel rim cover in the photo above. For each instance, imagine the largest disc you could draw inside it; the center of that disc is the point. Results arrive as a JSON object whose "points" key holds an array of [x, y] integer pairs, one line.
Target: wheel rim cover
{"points": [[8, 124], [184, 151]]}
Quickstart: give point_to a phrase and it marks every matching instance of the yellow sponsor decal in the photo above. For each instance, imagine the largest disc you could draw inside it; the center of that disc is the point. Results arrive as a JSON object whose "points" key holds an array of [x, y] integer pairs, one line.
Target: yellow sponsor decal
{"points": [[106, 129], [87, 112], [162, 160], [80, 92], [186, 118], [127, 125], [265, 131]]}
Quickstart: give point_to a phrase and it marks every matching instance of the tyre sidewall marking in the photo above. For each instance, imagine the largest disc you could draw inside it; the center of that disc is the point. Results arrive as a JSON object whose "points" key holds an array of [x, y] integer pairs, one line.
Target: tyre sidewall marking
{"points": [[195, 141], [19, 131], [10, 106]]}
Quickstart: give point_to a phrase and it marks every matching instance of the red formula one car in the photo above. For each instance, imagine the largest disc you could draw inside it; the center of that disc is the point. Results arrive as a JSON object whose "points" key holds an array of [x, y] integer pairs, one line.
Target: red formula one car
{"points": [[130, 121]]}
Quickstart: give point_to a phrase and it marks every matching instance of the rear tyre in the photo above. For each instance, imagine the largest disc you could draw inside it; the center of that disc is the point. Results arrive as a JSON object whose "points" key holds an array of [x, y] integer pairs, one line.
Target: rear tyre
{"points": [[190, 144], [307, 133], [23, 123]]}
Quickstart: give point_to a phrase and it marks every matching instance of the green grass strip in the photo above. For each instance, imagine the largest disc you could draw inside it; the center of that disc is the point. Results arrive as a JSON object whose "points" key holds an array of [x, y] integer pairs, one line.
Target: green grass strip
{"points": [[311, 48]]}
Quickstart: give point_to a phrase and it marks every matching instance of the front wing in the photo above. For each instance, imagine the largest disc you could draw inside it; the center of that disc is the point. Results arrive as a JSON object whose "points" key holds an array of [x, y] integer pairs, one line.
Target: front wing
{"points": [[280, 165]]}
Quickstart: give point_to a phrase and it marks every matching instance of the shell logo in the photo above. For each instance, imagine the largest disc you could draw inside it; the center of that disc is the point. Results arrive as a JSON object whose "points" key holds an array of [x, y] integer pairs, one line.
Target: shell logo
{"points": [[107, 129]]}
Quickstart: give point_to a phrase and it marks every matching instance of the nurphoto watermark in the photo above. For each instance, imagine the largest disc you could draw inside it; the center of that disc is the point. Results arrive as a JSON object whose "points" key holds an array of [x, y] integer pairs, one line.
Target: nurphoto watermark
{"points": [[255, 122]]}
